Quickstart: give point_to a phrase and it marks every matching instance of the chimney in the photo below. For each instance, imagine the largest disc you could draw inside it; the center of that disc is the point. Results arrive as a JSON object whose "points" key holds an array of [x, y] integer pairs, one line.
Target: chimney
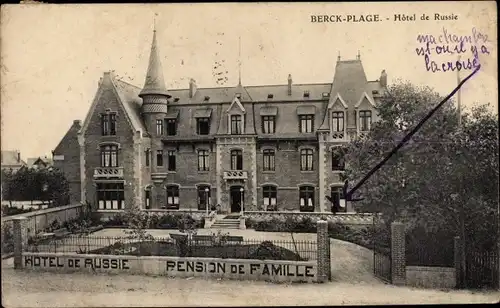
{"points": [[77, 122], [289, 84], [18, 157], [192, 87], [358, 57], [383, 79]]}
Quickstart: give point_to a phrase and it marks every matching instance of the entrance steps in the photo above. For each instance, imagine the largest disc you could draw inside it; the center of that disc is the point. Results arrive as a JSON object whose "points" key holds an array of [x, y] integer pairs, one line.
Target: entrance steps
{"points": [[228, 223]]}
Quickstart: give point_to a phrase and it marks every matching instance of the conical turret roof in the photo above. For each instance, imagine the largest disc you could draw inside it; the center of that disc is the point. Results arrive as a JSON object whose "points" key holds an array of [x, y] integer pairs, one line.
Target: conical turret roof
{"points": [[154, 84]]}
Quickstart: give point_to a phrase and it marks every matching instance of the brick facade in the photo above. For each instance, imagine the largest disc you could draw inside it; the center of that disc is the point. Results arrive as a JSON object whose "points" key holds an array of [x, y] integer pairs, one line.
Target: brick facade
{"points": [[303, 119]]}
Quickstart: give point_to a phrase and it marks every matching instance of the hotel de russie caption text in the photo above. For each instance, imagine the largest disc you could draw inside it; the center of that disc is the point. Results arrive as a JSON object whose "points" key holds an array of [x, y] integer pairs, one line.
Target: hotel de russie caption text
{"points": [[396, 17]]}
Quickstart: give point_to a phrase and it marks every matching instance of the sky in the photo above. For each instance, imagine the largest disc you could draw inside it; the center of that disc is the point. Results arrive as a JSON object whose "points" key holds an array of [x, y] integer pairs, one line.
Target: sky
{"points": [[52, 56]]}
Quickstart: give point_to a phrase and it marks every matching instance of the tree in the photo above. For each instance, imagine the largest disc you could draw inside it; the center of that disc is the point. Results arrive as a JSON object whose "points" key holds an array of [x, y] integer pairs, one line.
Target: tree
{"points": [[137, 222], [442, 173], [28, 184]]}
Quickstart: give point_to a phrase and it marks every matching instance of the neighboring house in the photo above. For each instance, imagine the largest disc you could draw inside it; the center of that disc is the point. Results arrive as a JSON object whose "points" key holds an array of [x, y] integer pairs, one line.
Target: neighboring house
{"points": [[66, 157], [276, 147], [39, 162], [12, 160]]}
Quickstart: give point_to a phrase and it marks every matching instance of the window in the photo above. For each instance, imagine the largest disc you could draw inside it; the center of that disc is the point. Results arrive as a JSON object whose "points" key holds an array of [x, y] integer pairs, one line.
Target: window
{"points": [[148, 198], [203, 160], [365, 120], [173, 197], [338, 198], [203, 197], [203, 126], [171, 160], [338, 121], [270, 194], [338, 161], [110, 196], [159, 158], [306, 160], [268, 124], [159, 127], [306, 196], [268, 164], [109, 156], [108, 124], [236, 125], [171, 127], [306, 123], [236, 160], [105, 124], [112, 122], [148, 153]]}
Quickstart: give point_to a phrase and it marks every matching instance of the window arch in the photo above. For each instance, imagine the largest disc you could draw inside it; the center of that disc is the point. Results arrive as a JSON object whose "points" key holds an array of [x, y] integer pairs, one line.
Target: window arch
{"points": [[306, 198], [338, 121], [172, 197], [148, 196], [109, 155], [236, 160], [270, 196], [338, 158], [268, 157], [337, 195], [306, 159], [204, 197]]}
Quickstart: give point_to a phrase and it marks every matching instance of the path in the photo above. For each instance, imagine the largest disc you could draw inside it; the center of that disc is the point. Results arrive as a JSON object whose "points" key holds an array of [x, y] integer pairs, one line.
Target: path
{"points": [[43, 289]]}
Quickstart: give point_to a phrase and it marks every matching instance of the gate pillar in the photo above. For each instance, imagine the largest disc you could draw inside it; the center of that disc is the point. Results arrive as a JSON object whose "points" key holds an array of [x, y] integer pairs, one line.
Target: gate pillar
{"points": [[398, 254]]}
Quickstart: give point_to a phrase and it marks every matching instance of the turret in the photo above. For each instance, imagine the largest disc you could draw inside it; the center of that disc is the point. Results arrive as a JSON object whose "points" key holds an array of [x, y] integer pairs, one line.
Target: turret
{"points": [[383, 79], [154, 93]]}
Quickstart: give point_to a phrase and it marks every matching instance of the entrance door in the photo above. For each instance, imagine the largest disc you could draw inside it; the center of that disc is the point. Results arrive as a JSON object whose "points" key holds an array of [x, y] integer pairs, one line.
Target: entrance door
{"points": [[236, 197]]}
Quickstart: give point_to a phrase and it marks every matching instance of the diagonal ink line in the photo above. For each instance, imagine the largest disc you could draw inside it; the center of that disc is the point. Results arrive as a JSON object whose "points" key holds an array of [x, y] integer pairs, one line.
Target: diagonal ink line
{"points": [[409, 135]]}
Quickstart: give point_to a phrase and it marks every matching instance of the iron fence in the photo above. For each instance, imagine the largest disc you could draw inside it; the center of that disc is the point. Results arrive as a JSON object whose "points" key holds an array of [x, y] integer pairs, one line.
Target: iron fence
{"points": [[482, 269], [207, 247], [382, 259], [424, 248]]}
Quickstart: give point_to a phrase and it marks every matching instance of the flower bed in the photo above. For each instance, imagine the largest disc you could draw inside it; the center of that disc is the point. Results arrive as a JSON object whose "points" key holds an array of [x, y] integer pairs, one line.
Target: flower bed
{"points": [[158, 221], [360, 234], [265, 250]]}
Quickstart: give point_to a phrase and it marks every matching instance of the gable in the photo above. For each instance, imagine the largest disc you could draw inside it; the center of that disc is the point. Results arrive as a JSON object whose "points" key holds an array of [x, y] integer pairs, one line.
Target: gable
{"points": [[337, 101], [236, 107], [107, 97], [365, 101]]}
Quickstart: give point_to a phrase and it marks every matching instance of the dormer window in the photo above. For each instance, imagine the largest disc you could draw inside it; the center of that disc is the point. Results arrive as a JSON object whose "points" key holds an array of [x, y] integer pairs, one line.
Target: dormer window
{"points": [[176, 99], [365, 120], [306, 94], [306, 123], [270, 96], [326, 94], [236, 124], [171, 127], [338, 121], [207, 98], [375, 92], [238, 95]]}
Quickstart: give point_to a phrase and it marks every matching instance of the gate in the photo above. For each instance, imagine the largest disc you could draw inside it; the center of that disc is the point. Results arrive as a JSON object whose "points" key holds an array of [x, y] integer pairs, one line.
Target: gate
{"points": [[381, 238], [481, 269]]}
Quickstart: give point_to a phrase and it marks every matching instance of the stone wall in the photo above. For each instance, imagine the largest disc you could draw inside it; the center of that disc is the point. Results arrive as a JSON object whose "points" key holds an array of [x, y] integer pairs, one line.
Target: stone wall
{"points": [[239, 269], [431, 277]]}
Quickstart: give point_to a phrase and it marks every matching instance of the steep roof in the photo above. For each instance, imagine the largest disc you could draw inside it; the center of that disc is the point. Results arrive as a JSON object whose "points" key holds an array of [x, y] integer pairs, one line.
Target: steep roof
{"points": [[70, 134], [128, 98], [10, 158], [155, 83]]}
